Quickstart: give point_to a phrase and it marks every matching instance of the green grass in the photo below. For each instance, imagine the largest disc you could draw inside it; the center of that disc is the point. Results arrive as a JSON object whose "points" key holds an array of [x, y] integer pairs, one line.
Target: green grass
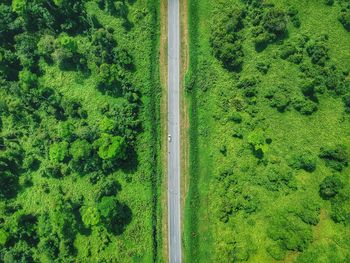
{"points": [[207, 239]]}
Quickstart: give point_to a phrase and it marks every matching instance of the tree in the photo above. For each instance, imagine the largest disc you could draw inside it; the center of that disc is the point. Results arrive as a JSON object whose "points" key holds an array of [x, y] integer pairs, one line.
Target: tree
{"points": [[57, 229], [18, 5], [27, 79], [26, 50], [258, 141], [80, 150], [330, 187], [4, 236], [46, 46], [66, 53], [107, 124], [58, 151], [90, 216], [225, 38], [111, 147]]}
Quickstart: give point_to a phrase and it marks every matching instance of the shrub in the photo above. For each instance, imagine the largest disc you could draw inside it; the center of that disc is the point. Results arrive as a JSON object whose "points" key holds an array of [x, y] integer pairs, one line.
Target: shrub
{"points": [[263, 67], [58, 152], [80, 150], [279, 98], [330, 187], [344, 18], [336, 157], [258, 142], [275, 21], [341, 207], [288, 50], [111, 147], [46, 46], [290, 231], [309, 212], [276, 251], [235, 117], [346, 100], [304, 161], [317, 51], [304, 106], [225, 39], [278, 177]]}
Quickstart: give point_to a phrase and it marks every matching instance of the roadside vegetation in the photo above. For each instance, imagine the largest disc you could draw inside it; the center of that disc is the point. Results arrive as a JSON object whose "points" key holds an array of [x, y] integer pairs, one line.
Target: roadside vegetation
{"points": [[269, 92], [78, 131]]}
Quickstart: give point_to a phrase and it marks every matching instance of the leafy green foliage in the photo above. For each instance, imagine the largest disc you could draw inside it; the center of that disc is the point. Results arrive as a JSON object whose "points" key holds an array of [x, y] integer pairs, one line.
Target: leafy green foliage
{"points": [[111, 147], [304, 161], [69, 131], [330, 187], [290, 232], [336, 157], [344, 18], [225, 39]]}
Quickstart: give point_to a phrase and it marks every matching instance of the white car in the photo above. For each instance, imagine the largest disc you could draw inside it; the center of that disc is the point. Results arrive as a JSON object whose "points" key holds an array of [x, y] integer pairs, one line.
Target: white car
{"points": [[169, 138]]}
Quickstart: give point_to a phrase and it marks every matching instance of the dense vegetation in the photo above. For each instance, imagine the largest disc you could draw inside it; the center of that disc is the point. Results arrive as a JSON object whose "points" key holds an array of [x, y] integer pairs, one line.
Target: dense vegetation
{"points": [[269, 87], [77, 106]]}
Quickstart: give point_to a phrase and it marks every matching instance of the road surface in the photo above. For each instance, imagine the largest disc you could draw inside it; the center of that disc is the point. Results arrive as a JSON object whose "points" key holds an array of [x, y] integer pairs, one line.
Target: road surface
{"points": [[174, 218]]}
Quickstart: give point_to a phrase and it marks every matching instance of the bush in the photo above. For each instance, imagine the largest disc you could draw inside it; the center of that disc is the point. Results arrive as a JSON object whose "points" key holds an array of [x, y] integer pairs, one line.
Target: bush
{"points": [[80, 150], [330, 187], [304, 106], [309, 212], [111, 147], [317, 51], [275, 21], [336, 157], [290, 232], [304, 161], [278, 178], [279, 98], [276, 251], [58, 152], [46, 46], [225, 38], [263, 67], [258, 142], [344, 18], [288, 50], [346, 100], [341, 207]]}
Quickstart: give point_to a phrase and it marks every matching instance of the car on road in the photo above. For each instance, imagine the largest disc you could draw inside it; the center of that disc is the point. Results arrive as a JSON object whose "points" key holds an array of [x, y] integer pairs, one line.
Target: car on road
{"points": [[169, 138]]}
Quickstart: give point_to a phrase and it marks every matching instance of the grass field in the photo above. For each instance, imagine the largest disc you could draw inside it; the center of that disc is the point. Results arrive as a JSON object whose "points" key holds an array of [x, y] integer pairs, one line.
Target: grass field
{"points": [[238, 198]]}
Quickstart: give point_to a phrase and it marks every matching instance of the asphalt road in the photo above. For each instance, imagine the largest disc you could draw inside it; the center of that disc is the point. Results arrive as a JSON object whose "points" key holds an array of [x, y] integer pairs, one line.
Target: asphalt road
{"points": [[174, 218]]}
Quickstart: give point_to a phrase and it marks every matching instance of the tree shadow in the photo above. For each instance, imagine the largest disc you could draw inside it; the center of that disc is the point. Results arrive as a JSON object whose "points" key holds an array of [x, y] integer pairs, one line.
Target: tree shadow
{"points": [[123, 219], [80, 224]]}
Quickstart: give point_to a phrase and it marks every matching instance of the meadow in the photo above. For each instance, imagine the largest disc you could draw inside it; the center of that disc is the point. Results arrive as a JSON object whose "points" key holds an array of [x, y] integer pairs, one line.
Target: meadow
{"points": [[269, 89]]}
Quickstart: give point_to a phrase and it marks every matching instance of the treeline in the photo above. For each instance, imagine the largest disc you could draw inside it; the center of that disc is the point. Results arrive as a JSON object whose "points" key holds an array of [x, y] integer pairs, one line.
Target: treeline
{"points": [[45, 132]]}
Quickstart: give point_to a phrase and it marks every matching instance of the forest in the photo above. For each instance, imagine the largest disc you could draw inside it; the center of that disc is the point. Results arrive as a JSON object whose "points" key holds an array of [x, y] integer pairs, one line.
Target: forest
{"points": [[269, 94], [78, 97]]}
